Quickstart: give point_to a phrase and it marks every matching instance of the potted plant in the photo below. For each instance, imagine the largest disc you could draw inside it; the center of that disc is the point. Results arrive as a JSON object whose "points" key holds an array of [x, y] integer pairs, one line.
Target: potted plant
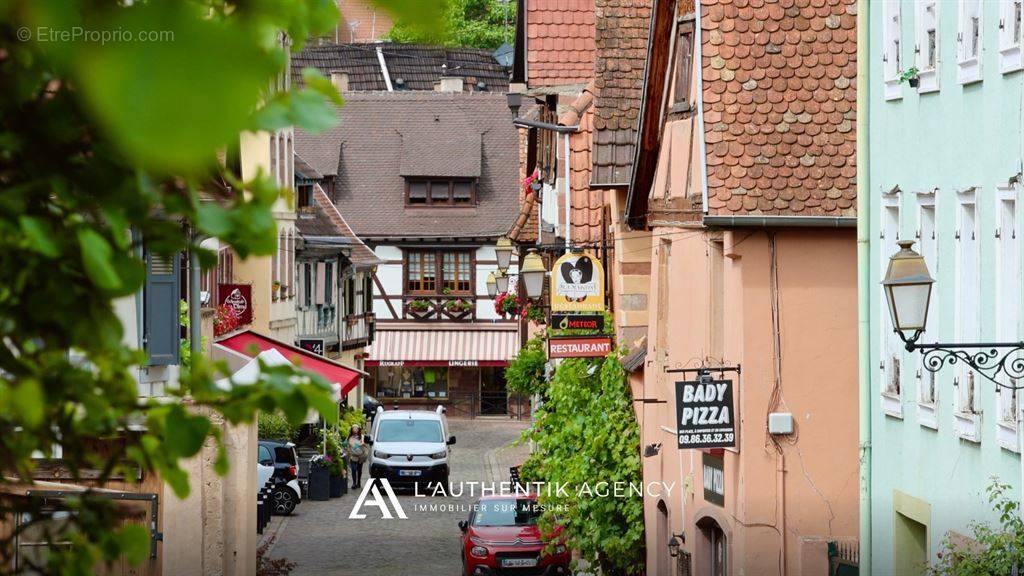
{"points": [[276, 288], [458, 306], [911, 76], [319, 478], [331, 444], [419, 306]]}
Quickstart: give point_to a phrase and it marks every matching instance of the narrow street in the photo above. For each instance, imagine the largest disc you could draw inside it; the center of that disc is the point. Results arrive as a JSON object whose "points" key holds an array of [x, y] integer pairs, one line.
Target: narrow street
{"points": [[322, 540]]}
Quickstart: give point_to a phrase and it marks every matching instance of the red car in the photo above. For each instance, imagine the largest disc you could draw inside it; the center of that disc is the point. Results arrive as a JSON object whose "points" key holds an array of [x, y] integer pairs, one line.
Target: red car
{"points": [[501, 538]]}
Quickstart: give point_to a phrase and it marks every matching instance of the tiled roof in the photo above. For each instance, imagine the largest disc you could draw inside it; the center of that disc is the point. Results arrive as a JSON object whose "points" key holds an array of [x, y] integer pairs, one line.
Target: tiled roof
{"points": [[328, 221], [560, 42], [369, 189], [418, 66], [435, 148], [587, 202], [779, 106], [621, 40]]}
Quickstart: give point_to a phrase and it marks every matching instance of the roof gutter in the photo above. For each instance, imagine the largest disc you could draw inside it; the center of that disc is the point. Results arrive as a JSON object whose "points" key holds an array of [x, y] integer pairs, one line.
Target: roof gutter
{"points": [[526, 123], [751, 221], [864, 289]]}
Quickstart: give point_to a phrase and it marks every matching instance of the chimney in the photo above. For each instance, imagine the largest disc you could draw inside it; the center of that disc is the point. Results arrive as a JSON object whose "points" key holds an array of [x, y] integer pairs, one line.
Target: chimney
{"points": [[340, 80], [448, 84]]}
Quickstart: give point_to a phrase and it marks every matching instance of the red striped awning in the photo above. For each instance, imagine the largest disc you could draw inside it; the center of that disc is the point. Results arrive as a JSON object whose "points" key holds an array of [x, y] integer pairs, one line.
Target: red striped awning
{"points": [[464, 347], [250, 343]]}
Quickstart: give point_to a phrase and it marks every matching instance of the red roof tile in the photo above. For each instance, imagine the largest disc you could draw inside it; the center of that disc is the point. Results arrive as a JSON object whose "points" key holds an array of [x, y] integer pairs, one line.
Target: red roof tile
{"points": [[560, 42], [779, 106]]}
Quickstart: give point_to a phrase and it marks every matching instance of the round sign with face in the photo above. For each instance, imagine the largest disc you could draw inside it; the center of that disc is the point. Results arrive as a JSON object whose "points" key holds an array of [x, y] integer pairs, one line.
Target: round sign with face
{"points": [[578, 283]]}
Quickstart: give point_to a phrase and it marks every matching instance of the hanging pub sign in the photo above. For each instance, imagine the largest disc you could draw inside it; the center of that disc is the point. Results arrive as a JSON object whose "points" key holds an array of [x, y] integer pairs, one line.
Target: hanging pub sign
{"points": [[579, 346], [704, 413], [238, 298], [314, 345], [577, 322], [577, 284]]}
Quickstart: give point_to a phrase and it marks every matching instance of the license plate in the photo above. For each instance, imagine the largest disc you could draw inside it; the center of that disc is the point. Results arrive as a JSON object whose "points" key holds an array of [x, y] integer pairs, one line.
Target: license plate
{"points": [[518, 562], [408, 472]]}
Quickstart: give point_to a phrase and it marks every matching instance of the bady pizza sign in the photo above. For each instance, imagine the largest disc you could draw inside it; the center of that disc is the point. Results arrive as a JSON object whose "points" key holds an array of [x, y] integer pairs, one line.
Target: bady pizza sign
{"points": [[577, 284], [705, 413]]}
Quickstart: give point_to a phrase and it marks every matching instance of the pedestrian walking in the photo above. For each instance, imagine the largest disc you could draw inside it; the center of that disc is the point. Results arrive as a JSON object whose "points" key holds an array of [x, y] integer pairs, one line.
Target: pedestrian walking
{"points": [[356, 454]]}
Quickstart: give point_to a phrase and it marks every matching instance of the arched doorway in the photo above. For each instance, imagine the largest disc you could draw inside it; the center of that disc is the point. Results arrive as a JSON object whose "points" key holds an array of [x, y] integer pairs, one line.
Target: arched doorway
{"points": [[661, 536], [714, 549]]}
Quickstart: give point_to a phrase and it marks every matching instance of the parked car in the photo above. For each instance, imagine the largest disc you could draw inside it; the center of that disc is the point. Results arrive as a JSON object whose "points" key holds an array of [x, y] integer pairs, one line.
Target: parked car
{"points": [[370, 405], [410, 447], [286, 494], [501, 537]]}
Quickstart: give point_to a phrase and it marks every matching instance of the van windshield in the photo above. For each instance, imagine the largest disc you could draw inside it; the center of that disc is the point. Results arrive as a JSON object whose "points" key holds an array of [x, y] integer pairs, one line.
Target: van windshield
{"points": [[407, 430]]}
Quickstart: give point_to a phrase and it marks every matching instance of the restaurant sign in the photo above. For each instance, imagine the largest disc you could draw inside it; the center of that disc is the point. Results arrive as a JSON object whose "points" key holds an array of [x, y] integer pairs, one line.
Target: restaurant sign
{"points": [[238, 298], [577, 322], [577, 284], [579, 347], [704, 413]]}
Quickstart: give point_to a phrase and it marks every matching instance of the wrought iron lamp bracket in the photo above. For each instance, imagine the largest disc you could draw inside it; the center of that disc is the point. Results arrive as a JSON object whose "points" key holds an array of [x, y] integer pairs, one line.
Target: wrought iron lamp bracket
{"points": [[991, 360]]}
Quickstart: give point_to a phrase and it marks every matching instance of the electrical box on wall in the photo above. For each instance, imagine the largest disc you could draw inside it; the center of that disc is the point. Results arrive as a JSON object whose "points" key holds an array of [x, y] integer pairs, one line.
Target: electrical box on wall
{"points": [[780, 423]]}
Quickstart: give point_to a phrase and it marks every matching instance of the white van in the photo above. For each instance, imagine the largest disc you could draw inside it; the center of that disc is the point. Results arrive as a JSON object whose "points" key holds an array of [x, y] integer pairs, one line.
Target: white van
{"points": [[410, 447]]}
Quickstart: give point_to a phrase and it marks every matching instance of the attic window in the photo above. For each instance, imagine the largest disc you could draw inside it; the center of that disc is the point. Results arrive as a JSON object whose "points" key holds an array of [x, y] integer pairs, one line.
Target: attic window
{"points": [[304, 196], [683, 66], [440, 192]]}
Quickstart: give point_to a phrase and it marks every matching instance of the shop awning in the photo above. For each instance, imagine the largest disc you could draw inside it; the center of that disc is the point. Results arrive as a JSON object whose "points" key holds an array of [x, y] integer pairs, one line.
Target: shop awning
{"points": [[443, 347], [251, 344]]}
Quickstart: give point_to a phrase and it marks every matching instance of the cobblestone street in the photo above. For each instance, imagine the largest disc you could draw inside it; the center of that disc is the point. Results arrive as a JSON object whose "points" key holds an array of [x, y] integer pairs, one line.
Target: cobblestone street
{"points": [[322, 540]]}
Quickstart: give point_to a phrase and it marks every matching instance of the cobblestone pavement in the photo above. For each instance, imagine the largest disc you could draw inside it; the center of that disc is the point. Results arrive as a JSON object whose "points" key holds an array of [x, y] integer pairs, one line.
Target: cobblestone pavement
{"points": [[322, 540]]}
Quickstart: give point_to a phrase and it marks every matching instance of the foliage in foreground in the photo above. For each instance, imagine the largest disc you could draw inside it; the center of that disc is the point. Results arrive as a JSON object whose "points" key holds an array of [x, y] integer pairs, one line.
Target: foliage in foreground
{"points": [[997, 549], [586, 433], [106, 139], [464, 23]]}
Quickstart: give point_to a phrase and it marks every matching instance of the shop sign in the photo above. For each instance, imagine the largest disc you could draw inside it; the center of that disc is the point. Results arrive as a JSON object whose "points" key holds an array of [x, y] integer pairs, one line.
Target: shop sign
{"points": [[577, 284], [392, 363], [714, 478], [579, 347], [577, 322], [463, 363], [314, 345], [704, 413], [237, 297]]}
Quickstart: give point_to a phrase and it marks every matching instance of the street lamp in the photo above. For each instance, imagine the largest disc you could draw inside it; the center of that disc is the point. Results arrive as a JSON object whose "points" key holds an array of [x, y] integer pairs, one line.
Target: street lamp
{"points": [[908, 288], [503, 251], [674, 542], [532, 274], [501, 282], [492, 285]]}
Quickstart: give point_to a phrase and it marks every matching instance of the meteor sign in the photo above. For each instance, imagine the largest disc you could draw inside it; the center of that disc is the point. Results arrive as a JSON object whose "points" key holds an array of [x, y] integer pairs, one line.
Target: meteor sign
{"points": [[705, 413]]}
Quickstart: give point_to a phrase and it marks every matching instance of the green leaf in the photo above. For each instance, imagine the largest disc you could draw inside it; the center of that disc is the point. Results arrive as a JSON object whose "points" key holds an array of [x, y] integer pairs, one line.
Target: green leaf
{"points": [[96, 257], [39, 235], [316, 81], [323, 403], [134, 541], [184, 432], [170, 103], [27, 400]]}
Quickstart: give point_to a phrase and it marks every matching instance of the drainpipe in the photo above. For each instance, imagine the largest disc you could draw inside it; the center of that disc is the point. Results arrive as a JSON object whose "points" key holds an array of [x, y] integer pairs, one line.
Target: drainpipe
{"points": [[195, 301], [568, 194], [702, 146], [864, 284]]}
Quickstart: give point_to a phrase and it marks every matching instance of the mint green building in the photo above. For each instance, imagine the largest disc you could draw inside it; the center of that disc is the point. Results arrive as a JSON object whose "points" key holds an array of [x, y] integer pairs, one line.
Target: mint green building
{"points": [[944, 169]]}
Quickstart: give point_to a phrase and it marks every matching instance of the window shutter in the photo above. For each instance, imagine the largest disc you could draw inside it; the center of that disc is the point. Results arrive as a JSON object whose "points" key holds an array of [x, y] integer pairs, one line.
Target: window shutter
{"points": [[160, 301], [368, 293], [319, 290]]}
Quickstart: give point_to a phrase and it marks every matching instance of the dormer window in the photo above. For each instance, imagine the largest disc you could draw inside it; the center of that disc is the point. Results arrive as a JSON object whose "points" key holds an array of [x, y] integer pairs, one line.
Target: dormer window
{"points": [[440, 192]]}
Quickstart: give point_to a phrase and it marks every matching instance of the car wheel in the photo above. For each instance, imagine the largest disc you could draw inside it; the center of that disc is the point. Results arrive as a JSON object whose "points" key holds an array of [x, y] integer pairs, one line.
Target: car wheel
{"points": [[284, 501]]}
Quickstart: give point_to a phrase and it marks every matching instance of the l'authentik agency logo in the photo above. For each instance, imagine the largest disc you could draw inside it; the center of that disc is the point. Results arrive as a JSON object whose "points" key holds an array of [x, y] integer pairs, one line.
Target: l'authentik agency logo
{"points": [[371, 496]]}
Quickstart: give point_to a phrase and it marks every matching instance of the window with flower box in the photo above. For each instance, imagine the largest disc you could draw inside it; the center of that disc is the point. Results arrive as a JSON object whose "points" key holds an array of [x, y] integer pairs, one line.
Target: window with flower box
{"points": [[422, 267]]}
